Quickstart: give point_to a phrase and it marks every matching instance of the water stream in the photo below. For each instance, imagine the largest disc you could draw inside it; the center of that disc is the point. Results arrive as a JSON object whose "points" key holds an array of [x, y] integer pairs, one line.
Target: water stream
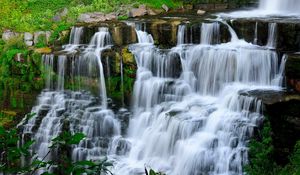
{"points": [[188, 115]]}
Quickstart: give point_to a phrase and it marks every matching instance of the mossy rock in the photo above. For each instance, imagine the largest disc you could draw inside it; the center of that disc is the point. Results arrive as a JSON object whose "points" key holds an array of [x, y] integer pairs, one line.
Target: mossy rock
{"points": [[44, 50]]}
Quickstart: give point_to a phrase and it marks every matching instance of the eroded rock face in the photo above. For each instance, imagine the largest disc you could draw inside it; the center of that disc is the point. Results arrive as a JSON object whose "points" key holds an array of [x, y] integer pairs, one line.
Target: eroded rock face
{"points": [[8, 35], [283, 111], [293, 71], [95, 17], [137, 12]]}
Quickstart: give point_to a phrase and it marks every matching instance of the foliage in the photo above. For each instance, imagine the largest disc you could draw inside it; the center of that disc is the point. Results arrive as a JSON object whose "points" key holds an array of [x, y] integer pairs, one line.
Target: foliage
{"points": [[152, 172], [12, 153], [261, 152]]}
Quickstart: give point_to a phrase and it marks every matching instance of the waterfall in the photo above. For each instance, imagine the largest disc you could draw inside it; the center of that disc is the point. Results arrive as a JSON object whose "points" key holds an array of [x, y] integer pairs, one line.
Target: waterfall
{"points": [[61, 67], [280, 6], [48, 63], [255, 34], [74, 40], [181, 34], [210, 32], [143, 36], [75, 111], [272, 35], [76, 34], [188, 115]]}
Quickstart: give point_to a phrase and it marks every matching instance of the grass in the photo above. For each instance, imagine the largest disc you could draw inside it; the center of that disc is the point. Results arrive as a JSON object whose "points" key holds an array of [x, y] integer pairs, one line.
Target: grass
{"points": [[33, 15]]}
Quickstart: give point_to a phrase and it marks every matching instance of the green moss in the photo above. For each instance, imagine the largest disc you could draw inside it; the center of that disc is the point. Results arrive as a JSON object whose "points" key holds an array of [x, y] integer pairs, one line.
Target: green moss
{"points": [[261, 156]]}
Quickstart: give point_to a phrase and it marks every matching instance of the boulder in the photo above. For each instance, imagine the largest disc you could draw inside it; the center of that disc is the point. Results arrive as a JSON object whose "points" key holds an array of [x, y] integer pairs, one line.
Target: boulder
{"points": [[111, 16], [292, 69], [96, 17], [151, 12], [165, 7], [19, 57], [29, 43], [136, 12], [45, 50], [37, 35], [59, 15], [201, 12], [8, 35], [28, 36]]}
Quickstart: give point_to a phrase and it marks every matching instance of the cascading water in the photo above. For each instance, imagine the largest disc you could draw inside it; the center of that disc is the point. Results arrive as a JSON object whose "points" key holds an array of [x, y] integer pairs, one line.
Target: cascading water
{"points": [[269, 8], [74, 111], [280, 6], [181, 34], [188, 115], [272, 38], [195, 122], [209, 33]]}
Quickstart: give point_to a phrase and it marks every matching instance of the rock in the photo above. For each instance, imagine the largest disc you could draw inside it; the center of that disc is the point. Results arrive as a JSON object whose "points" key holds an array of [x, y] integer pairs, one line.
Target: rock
{"points": [[292, 69], [59, 15], [37, 35], [165, 7], [136, 12], [29, 43], [8, 35], [201, 12], [45, 50], [151, 12], [111, 16], [96, 17], [83, 17], [19, 57], [188, 7], [28, 36]]}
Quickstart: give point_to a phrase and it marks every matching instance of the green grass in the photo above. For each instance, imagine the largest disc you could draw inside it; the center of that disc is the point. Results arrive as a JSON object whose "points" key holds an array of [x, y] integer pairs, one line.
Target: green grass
{"points": [[33, 15]]}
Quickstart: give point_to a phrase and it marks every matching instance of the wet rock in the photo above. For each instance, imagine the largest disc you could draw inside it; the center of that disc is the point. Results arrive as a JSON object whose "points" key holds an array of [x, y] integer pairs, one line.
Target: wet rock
{"points": [[110, 16], [283, 111], [19, 57], [201, 12], [41, 36], [165, 7], [8, 35], [28, 36], [292, 69], [60, 15], [95, 17], [136, 12], [151, 12], [45, 50]]}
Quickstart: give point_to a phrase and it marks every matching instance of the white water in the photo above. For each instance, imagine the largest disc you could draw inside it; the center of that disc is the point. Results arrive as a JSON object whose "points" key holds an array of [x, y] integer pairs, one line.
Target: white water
{"points": [[269, 8], [75, 39], [181, 34], [188, 115], [210, 32], [272, 35], [78, 111], [143, 36], [196, 123], [280, 6]]}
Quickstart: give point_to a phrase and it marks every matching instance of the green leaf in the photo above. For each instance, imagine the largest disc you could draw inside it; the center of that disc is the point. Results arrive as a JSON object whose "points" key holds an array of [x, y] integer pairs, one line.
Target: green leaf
{"points": [[76, 138]]}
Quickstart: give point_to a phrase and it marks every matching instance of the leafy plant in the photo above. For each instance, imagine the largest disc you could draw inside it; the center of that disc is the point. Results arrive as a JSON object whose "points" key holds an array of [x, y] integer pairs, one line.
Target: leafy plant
{"points": [[12, 153]]}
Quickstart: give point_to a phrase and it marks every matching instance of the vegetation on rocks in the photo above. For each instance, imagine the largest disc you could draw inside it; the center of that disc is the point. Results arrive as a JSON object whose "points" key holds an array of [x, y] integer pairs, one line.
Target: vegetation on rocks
{"points": [[261, 156]]}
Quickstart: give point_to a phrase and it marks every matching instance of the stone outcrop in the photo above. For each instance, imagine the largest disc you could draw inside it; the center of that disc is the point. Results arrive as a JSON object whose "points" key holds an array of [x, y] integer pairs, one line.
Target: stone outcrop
{"points": [[283, 111], [165, 7], [8, 35], [28, 38], [293, 71], [201, 12], [137, 12], [95, 17]]}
